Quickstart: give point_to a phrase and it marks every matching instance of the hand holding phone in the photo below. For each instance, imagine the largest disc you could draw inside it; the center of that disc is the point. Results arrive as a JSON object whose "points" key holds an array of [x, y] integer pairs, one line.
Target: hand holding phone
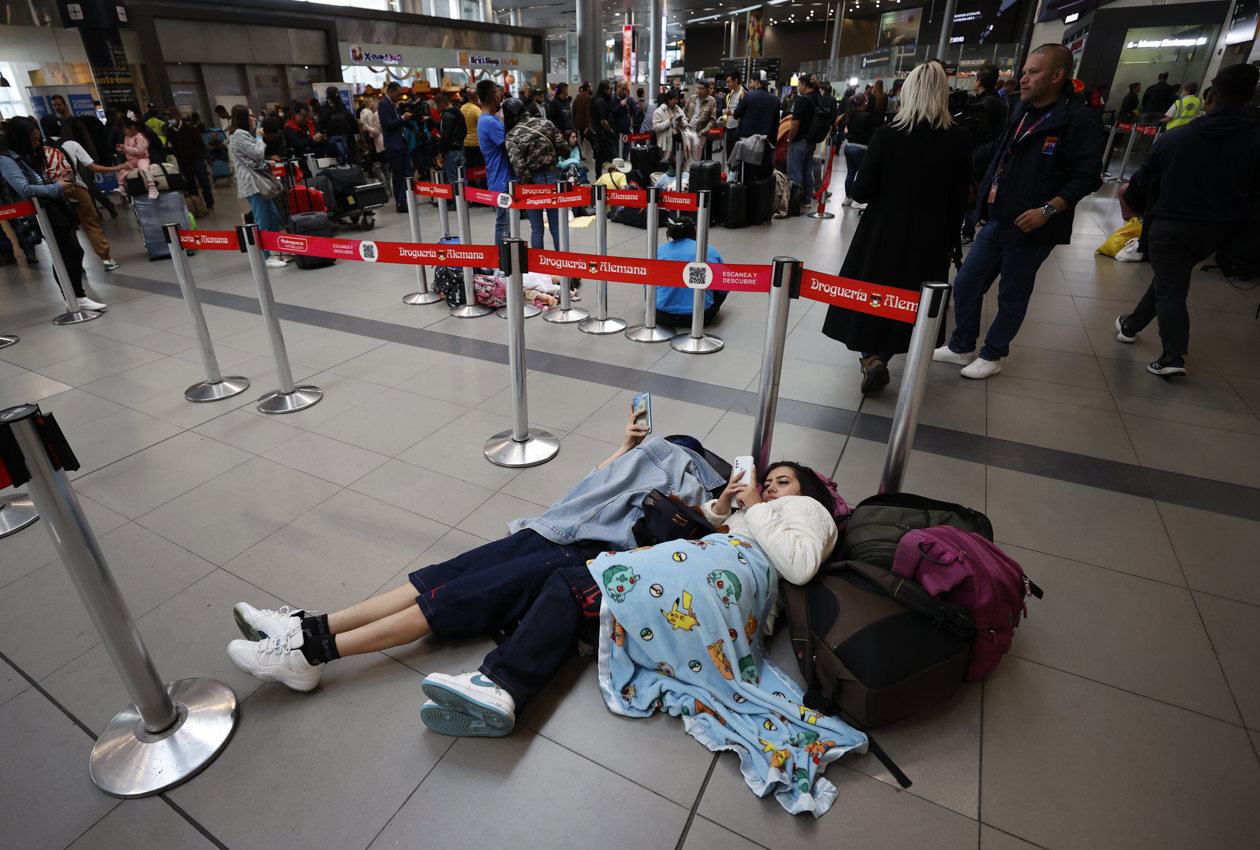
{"points": [[743, 467], [642, 403]]}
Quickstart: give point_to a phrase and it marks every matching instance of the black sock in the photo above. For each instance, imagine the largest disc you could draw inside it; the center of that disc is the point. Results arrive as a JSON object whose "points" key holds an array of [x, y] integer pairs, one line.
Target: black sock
{"points": [[319, 649], [316, 624]]}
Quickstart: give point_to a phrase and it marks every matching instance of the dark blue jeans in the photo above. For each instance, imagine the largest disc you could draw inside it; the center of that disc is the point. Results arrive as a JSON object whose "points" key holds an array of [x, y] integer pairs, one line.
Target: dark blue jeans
{"points": [[853, 157], [546, 177], [1000, 249], [451, 161], [565, 611], [1176, 248], [399, 171]]}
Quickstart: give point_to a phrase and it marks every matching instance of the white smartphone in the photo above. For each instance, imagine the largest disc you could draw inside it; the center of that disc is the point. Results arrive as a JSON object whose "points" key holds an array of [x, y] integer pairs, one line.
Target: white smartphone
{"points": [[744, 467], [643, 402]]}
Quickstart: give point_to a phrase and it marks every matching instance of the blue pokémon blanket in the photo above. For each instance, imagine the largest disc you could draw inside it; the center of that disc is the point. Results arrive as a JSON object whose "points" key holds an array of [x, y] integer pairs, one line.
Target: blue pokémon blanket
{"points": [[680, 632]]}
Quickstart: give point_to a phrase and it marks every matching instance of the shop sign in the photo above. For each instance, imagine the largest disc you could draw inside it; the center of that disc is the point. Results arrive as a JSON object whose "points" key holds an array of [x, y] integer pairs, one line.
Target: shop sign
{"points": [[487, 60], [359, 56], [379, 55], [1145, 43], [878, 58]]}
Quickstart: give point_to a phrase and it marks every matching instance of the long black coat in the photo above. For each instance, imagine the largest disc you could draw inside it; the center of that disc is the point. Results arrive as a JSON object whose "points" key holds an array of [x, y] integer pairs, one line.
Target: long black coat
{"points": [[917, 185]]}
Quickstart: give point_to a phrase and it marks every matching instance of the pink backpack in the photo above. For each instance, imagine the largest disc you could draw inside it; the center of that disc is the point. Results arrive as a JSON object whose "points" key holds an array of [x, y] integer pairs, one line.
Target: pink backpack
{"points": [[963, 567]]}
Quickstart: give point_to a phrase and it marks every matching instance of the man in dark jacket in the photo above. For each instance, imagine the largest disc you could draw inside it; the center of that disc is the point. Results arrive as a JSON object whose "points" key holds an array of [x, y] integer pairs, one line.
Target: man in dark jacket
{"points": [[452, 129], [986, 116], [1209, 188], [1047, 159], [757, 111], [395, 143], [1159, 97], [190, 155], [560, 110], [340, 127], [603, 133]]}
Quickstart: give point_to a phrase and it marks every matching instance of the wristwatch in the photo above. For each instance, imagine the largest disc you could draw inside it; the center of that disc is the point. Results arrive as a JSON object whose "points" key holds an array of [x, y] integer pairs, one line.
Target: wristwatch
{"points": [[1048, 210]]}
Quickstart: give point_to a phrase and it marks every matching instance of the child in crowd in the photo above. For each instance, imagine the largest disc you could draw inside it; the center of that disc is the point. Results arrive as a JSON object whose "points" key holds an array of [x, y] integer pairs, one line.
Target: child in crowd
{"points": [[135, 148]]}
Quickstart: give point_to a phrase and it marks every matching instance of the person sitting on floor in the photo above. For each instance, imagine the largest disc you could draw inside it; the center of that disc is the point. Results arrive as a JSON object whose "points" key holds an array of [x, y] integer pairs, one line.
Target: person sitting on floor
{"points": [[674, 303]]}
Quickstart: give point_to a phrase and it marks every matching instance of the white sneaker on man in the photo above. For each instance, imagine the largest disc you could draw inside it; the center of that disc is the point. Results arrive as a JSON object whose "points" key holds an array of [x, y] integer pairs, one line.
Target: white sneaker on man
{"points": [[980, 368], [467, 705], [945, 354], [92, 304], [275, 263], [277, 659], [262, 623]]}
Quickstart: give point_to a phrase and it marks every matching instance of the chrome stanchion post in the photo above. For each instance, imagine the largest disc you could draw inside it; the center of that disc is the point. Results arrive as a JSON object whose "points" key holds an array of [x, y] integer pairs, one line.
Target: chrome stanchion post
{"points": [[1124, 163], [521, 446], [170, 731], [514, 232], [1111, 139], [288, 398], [600, 323], [423, 295], [215, 386], [566, 313], [649, 331], [785, 285], [933, 304], [9, 339], [820, 211], [74, 313], [678, 170], [470, 309], [16, 513], [444, 222], [698, 342]]}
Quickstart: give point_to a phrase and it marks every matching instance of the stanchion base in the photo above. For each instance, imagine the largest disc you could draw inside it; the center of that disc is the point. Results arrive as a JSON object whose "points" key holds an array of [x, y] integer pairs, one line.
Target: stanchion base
{"points": [[471, 311], [130, 761], [820, 215], [1114, 180], [416, 298], [300, 399], [223, 388], [593, 325], [566, 317], [6, 340], [16, 513], [642, 333], [537, 447], [73, 318], [688, 344], [530, 311]]}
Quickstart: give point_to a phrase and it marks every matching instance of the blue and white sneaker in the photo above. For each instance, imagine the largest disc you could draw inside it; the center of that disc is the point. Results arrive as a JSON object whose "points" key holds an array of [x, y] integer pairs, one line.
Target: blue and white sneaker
{"points": [[262, 623], [468, 705]]}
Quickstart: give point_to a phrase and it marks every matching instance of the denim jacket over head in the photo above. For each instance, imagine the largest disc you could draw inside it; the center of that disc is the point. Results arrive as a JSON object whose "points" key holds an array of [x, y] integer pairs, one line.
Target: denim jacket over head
{"points": [[605, 505]]}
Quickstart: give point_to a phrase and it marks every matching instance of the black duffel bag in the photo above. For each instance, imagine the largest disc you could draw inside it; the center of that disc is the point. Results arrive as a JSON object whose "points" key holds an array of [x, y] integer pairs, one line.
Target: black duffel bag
{"points": [[878, 523]]}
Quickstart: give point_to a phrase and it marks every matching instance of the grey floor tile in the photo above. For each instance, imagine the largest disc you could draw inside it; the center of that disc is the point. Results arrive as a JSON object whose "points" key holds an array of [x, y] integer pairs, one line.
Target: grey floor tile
{"points": [[1235, 631], [25, 551], [12, 683], [550, 481], [1195, 450], [224, 517], [1026, 388], [28, 386], [872, 814], [1066, 427], [115, 436], [1086, 524], [248, 431], [338, 553], [1213, 550], [1204, 388], [111, 360], [43, 623], [996, 839], [950, 401], [422, 491], [392, 363], [355, 738], [559, 403], [326, 458], [142, 823], [704, 834], [1189, 414], [449, 799], [491, 518], [669, 416], [162, 375], [1128, 632], [390, 421], [933, 475], [1058, 367], [464, 457], [49, 798], [137, 484], [1085, 751], [571, 712]]}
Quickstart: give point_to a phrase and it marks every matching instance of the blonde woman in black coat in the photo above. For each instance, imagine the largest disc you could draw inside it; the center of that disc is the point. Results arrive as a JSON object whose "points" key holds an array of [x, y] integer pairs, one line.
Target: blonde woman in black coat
{"points": [[916, 181]]}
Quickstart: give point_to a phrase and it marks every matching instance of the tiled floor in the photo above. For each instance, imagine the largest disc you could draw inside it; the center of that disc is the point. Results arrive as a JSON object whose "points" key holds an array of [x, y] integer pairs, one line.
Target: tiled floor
{"points": [[1128, 714]]}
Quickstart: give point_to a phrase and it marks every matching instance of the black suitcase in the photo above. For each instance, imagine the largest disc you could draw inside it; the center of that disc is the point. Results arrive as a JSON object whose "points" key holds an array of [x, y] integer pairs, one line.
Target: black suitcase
{"points": [[311, 224], [706, 174], [731, 206], [645, 158], [796, 194], [761, 200], [343, 177]]}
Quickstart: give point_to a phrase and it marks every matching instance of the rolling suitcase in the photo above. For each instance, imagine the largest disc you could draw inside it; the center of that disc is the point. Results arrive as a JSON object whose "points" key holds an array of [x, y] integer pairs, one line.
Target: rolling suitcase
{"points": [[796, 195], [706, 174], [761, 200], [304, 199], [311, 224], [816, 166], [324, 186], [153, 214], [220, 169], [731, 206], [645, 158]]}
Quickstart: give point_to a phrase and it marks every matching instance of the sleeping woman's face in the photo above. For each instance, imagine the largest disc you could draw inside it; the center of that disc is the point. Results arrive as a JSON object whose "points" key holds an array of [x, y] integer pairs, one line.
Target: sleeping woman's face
{"points": [[781, 481]]}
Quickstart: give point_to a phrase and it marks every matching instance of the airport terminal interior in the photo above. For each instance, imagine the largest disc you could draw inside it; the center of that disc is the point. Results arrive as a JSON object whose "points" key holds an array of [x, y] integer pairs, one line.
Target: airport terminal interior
{"points": [[1126, 714]]}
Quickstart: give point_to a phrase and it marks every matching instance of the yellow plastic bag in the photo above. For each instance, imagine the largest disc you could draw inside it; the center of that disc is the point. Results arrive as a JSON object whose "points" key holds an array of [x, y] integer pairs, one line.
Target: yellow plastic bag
{"points": [[1131, 229]]}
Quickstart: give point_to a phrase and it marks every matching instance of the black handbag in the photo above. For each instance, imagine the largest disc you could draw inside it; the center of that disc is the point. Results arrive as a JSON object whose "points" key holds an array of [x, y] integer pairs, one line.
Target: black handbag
{"points": [[669, 518]]}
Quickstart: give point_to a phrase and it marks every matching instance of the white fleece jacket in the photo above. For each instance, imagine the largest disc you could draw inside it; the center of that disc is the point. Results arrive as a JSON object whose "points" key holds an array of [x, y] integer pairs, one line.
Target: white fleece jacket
{"points": [[796, 532]]}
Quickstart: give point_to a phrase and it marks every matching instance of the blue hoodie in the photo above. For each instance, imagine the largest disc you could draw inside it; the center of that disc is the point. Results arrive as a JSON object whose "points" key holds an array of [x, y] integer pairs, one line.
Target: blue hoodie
{"points": [[1208, 170]]}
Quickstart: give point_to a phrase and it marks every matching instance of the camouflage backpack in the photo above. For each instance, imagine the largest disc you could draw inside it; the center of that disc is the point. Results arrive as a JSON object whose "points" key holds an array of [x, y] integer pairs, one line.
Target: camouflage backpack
{"points": [[534, 144]]}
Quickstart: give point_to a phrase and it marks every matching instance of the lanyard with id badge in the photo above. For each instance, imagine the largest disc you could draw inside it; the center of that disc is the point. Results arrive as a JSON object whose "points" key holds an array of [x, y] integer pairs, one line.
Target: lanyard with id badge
{"points": [[1020, 135]]}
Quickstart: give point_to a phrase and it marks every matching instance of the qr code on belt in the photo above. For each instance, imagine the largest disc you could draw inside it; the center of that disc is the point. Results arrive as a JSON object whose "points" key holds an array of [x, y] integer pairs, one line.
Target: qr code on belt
{"points": [[696, 276], [368, 252]]}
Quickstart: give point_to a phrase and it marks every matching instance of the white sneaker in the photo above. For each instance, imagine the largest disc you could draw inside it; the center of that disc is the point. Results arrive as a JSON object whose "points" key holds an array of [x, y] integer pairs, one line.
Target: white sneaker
{"points": [[90, 304], [263, 623], [277, 659], [110, 265], [981, 368], [857, 206], [467, 705], [945, 354], [153, 192], [275, 263], [847, 202]]}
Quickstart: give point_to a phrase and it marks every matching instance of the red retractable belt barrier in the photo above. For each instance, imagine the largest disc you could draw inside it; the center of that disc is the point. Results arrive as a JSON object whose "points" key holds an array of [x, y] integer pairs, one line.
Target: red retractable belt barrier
{"points": [[407, 253], [717, 131], [727, 277], [210, 240], [886, 301], [526, 190], [639, 137], [1148, 130], [434, 190], [1125, 125], [626, 197], [679, 201], [554, 200], [483, 196], [478, 173], [18, 210]]}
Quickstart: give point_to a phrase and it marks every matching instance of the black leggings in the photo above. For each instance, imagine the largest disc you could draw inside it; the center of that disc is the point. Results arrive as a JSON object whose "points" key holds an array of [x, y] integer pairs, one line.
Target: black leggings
{"points": [[71, 255]]}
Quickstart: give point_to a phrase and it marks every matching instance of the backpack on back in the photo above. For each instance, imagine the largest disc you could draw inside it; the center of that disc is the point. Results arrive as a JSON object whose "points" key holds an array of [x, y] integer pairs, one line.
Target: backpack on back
{"points": [[824, 119], [878, 523], [965, 568]]}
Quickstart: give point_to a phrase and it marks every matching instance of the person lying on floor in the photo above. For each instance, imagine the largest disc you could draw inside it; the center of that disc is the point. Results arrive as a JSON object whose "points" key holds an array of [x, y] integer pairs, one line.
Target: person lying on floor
{"points": [[486, 591]]}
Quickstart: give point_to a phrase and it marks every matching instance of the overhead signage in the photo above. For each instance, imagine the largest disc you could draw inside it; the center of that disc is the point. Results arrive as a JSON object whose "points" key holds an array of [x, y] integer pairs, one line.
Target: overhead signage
{"points": [[410, 56], [1147, 43], [878, 58], [359, 56]]}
